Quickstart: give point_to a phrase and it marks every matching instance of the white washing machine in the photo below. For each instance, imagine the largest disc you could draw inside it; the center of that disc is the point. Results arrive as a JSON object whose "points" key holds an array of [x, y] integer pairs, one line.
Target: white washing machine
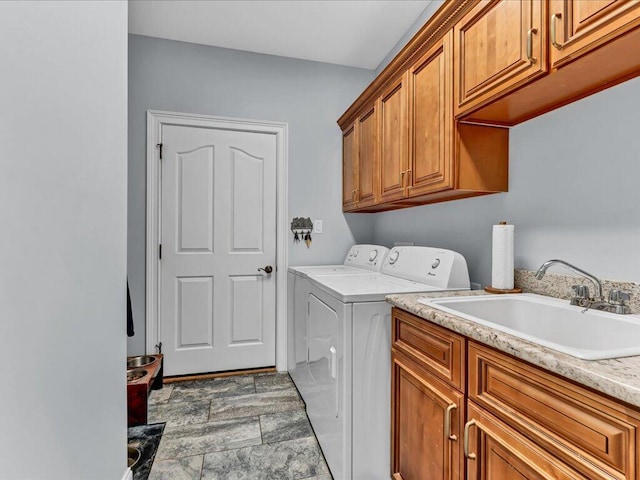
{"points": [[345, 377], [360, 259]]}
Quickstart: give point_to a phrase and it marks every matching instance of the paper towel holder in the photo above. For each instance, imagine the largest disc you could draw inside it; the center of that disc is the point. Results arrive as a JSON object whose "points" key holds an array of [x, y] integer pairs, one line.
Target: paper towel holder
{"points": [[490, 289]]}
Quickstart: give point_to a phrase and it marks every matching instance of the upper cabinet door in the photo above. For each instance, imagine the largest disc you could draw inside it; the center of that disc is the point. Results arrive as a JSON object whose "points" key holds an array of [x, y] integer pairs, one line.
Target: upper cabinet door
{"points": [[368, 190], [349, 173], [394, 140], [500, 45], [578, 26], [431, 120]]}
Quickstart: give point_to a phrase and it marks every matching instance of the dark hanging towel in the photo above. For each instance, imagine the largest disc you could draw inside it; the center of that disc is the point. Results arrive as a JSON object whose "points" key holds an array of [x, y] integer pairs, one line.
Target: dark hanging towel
{"points": [[130, 332]]}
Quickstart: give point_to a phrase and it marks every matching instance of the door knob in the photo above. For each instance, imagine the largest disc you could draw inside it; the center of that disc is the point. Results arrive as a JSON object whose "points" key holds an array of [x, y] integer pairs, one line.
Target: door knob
{"points": [[267, 269]]}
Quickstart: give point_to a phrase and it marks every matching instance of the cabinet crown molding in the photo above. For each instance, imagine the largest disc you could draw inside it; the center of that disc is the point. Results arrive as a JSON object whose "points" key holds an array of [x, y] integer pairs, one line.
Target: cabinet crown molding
{"points": [[441, 21]]}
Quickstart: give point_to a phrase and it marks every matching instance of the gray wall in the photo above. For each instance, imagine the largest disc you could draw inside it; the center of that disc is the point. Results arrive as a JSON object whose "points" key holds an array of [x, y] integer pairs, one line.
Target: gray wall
{"points": [[63, 131], [309, 96], [574, 186], [413, 29]]}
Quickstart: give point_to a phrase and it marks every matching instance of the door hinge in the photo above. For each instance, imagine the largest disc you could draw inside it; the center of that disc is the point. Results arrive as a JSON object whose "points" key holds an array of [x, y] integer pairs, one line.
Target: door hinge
{"points": [[159, 145], [160, 251]]}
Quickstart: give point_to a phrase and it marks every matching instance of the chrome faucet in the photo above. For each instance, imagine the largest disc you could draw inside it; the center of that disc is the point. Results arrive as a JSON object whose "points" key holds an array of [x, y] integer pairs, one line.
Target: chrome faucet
{"points": [[579, 291], [581, 296]]}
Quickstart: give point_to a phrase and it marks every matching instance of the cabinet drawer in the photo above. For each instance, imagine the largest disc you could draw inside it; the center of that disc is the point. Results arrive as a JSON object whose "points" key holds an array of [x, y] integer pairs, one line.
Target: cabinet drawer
{"points": [[439, 350], [594, 435], [503, 454]]}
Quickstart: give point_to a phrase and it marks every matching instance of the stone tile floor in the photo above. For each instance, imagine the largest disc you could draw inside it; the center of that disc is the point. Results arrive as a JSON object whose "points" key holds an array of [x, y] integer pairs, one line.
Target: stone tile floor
{"points": [[248, 427]]}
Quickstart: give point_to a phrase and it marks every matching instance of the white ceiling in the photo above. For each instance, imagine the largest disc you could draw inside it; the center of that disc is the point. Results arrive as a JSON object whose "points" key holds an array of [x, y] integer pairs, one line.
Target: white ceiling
{"points": [[357, 33]]}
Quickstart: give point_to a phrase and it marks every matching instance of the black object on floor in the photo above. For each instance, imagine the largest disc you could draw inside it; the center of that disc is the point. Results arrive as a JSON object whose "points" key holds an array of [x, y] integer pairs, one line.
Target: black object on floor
{"points": [[145, 438]]}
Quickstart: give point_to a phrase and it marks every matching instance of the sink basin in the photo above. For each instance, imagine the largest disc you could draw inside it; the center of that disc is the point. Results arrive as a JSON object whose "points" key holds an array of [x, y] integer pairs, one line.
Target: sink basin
{"points": [[140, 361], [592, 335]]}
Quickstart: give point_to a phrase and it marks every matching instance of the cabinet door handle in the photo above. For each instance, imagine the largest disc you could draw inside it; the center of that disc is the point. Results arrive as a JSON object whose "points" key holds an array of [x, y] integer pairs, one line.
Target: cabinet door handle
{"points": [[409, 172], [402, 179], [554, 42], [465, 442], [530, 45], [447, 422]]}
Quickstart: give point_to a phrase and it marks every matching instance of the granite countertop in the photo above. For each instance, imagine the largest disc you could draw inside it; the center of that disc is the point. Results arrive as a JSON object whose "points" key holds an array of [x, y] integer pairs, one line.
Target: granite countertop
{"points": [[619, 378]]}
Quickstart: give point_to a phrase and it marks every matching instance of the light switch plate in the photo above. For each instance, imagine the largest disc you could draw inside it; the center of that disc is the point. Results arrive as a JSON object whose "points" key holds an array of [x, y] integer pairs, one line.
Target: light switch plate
{"points": [[317, 226]]}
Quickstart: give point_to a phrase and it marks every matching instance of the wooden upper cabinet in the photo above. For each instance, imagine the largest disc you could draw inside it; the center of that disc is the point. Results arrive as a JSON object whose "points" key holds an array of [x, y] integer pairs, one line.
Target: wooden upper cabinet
{"points": [[368, 184], [349, 174], [591, 44], [579, 26], [422, 131], [431, 120], [500, 45], [394, 140]]}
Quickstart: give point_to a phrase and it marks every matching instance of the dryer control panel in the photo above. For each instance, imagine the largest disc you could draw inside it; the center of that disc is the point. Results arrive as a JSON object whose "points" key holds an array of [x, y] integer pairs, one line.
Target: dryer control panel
{"points": [[438, 267], [366, 256]]}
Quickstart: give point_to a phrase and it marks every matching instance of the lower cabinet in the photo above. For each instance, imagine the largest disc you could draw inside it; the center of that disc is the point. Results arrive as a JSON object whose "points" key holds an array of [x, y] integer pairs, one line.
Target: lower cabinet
{"points": [[506, 420], [435, 430], [495, 450]]}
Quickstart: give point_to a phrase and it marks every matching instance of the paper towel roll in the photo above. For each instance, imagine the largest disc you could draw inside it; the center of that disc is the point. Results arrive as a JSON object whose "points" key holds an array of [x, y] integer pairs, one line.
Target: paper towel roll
{"points": [[502, 257]]}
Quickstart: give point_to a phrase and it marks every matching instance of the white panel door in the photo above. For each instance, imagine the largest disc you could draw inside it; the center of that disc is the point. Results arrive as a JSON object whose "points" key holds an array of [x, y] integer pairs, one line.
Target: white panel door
{"points": [[218, 227]]}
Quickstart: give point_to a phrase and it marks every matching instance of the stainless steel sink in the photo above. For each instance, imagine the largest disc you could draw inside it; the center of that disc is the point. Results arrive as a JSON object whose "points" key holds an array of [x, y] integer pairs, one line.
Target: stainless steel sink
{"points": [[551, 322], [140, 361]]}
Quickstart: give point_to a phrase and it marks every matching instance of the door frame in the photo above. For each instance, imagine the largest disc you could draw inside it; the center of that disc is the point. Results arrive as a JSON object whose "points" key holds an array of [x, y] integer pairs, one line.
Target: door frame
{"points": [[156, 119]]}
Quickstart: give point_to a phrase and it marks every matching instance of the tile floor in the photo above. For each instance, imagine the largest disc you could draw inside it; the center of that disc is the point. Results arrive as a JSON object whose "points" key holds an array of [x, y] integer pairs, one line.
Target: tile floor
{"points": [[249, 427]]}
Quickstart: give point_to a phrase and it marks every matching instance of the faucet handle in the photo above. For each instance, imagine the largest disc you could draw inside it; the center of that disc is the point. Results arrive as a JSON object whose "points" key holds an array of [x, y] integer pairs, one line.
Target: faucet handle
{"points": [[581, 291], [618, 297]]}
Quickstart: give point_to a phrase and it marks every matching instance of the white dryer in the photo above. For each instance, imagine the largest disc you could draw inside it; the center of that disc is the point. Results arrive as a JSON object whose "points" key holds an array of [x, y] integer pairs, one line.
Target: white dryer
{"points": [[345, 378], [359, 259]]}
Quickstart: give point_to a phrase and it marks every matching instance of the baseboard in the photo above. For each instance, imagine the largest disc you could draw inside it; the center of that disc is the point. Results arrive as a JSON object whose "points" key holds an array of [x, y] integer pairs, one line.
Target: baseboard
{"points": [[211, 376], [128, 474]]}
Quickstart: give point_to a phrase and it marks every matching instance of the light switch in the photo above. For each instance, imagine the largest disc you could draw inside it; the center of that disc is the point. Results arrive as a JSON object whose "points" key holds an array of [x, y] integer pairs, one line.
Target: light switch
{"points": [[317, 226]]}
